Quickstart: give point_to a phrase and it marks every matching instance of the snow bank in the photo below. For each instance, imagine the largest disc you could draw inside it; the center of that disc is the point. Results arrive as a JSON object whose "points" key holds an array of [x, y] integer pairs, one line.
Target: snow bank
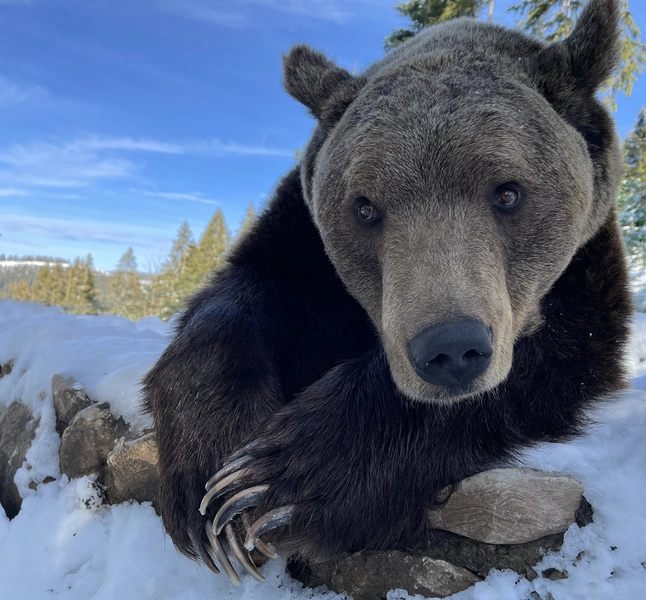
{"points": [[65, 544]]}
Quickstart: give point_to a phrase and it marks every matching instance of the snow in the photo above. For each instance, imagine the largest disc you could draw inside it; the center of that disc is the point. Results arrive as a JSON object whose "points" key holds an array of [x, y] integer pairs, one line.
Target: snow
{"points": [[66, 544]]}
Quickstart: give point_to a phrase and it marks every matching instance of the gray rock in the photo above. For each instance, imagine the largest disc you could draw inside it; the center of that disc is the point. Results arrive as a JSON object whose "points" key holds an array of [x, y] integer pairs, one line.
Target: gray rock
{"points": [[88, 440], [133, 471], [369, 576], [510, 506], [17, 430], [554, 574], [480, 558], [6, 368], [69, 398]]}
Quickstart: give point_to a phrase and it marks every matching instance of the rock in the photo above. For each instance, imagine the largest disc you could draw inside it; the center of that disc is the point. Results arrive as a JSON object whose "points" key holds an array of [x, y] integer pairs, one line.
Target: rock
{"points": [[480, 558], [554, 574], [510, 506], [88, 440], [133, 470], [6, 368], [369, 576], [17, 430], [69, 398]]}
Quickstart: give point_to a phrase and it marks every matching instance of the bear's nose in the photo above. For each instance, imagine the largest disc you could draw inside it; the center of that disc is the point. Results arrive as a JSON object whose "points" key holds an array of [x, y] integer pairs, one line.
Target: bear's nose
{"points": [[452, 354]]}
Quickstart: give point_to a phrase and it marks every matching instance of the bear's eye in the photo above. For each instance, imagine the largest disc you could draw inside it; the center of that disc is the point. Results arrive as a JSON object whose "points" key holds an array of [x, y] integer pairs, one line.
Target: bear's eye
{"points": [[507, 196], [367, 210]]}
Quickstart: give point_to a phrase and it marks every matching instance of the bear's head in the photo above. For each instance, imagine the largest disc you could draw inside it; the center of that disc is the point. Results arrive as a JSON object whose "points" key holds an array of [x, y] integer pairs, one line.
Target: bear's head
{"points": [[453, 182]]}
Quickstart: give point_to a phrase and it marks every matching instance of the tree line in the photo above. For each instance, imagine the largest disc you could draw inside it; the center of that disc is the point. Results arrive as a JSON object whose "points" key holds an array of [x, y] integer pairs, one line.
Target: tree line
{"points": [[78, 288]]}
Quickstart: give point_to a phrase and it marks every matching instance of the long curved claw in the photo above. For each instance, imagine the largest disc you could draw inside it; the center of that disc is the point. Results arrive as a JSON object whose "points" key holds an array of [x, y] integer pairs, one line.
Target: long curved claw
{"points": [[236, 504], [227, 470], [220, 554], [264, 548], [205, 556], [273, 519], [240, 554], [220, 487]]}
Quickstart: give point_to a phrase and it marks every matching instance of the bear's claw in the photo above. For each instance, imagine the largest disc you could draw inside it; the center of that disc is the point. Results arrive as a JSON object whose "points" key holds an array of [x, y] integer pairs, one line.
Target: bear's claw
{"points": [[240, 554], [273, 519], [221, 556], [229, 469], [236, 504], [219, 487], [225, 481]]}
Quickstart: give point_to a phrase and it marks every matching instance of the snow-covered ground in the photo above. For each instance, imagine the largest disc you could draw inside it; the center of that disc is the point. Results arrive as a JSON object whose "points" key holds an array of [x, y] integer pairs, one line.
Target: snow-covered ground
{"points": [[65, 544]]}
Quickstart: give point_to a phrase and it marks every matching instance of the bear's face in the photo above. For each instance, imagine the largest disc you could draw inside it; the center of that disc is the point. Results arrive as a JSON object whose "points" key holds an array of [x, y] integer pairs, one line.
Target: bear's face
{"points": [[451, 193]]}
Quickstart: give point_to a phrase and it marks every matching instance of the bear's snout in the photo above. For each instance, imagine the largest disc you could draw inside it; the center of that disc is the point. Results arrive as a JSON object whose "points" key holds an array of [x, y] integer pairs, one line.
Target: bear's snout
{"points": [[452, 354]]}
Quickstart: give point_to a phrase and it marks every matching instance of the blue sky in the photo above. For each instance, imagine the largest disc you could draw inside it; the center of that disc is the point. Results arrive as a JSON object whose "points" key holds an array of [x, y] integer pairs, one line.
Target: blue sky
{"points": [[119, 119]]}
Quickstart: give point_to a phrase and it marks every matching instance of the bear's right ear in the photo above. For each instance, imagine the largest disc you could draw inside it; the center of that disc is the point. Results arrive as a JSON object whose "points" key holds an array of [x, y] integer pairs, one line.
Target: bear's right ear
{"points": [[585, 59], [319, 84]]}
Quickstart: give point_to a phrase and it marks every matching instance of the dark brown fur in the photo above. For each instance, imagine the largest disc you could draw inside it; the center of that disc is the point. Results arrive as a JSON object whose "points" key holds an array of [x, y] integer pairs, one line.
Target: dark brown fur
{"points": [[288, 347]]}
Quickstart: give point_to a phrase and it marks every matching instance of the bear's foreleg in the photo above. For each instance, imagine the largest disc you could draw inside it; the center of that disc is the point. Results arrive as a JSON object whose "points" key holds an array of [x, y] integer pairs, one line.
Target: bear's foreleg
{"points": [[343, 466]]}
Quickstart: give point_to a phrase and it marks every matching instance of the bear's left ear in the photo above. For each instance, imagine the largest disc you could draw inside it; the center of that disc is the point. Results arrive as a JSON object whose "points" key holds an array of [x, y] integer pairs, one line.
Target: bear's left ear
{"points": [[315, 81], [584, 60]]}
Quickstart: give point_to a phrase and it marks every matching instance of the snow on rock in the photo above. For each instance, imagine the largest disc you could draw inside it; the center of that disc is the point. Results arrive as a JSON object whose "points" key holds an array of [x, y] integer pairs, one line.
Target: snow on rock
{"points": [[67, 543]]}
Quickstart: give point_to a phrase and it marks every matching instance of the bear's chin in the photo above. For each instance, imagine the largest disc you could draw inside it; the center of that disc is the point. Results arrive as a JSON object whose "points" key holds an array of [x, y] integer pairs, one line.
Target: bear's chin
{"points": [[447, 396]]}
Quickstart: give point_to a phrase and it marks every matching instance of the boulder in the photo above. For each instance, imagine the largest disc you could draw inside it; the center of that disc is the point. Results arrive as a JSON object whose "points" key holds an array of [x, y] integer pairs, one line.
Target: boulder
{"points": [[512, 517], [510, 506], [69, 398], [88, 440], [17, 431], [369, 576], [133, 471]]}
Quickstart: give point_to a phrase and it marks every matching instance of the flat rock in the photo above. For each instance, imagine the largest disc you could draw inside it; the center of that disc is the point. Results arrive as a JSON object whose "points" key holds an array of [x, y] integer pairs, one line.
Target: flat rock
{"points": [[17, 431], [133, 471], [69, 398], [88, 440], [370, 576], [510, 506]]}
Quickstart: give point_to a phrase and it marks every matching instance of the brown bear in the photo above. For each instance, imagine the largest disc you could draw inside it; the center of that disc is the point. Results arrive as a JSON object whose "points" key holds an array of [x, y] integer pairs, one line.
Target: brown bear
{"points": [[439, 284]]}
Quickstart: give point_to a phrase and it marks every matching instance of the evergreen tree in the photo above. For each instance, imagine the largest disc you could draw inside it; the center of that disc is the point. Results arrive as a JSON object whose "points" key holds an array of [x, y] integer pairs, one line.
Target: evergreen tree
{"points": [[631, 200], [20, 291], [211, 249], [125, 297], [248, 221], [174, 283], [49, 288], [424, 13], [554, 20], [80, 288]]}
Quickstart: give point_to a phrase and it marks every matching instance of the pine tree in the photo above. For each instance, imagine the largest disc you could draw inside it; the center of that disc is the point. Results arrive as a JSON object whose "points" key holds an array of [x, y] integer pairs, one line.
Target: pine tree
{"points": [[631, 200], [49, 288], [80, 288], [212, 247], [554, 20], [20, 291], [424, 13], [125, 296], [248, 221], [174, 284]]}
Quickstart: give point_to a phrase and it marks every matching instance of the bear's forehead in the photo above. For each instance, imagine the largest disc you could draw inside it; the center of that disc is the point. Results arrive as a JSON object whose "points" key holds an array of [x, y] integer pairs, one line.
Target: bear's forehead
{"points": [[465, 44]]}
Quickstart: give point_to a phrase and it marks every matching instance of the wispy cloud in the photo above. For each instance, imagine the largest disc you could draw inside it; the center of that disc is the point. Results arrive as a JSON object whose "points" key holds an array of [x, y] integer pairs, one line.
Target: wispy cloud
{"points": [[84, 161], [7, 192], [71, 230], [14, 92], [188, 196], [242, 14]]}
